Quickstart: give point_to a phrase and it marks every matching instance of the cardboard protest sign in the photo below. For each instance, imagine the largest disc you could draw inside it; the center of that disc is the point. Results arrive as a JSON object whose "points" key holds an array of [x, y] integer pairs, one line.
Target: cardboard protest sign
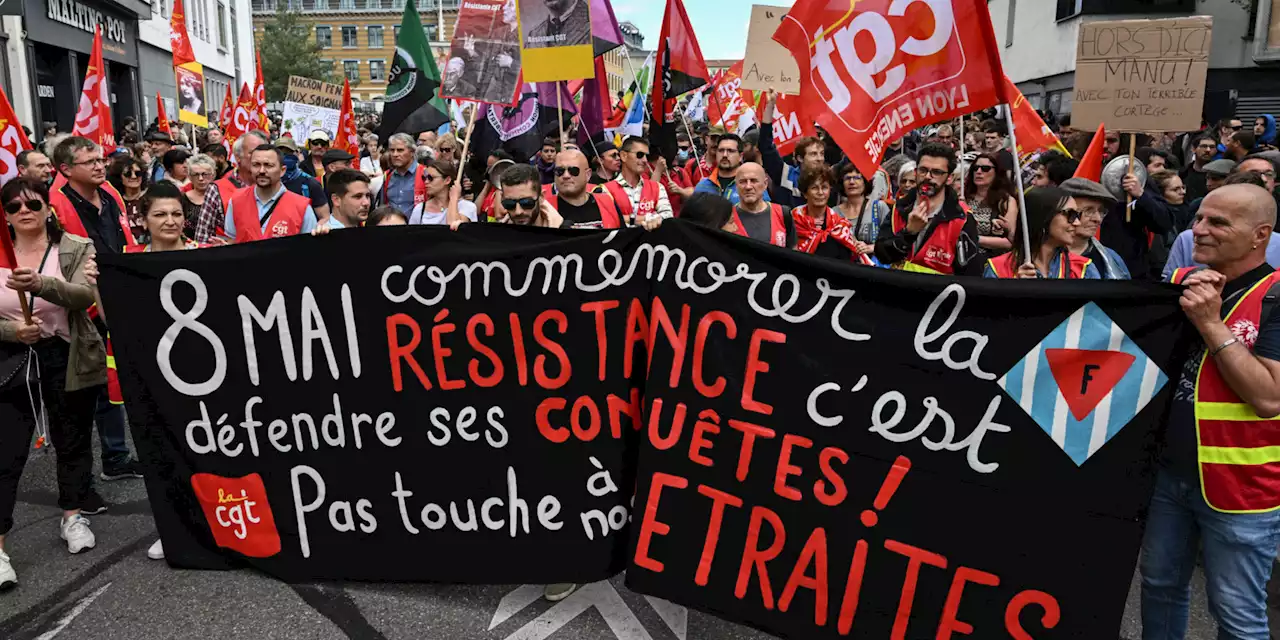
{"points": [[767, 63], [555, 40], [1142, 75], [479, 406], [484, 56], [310, 105], [313, 92]]}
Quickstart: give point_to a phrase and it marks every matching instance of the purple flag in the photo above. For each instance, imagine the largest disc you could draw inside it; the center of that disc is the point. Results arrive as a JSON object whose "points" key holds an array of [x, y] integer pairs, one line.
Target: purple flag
{"points": [[595, 101], [604, 27]]}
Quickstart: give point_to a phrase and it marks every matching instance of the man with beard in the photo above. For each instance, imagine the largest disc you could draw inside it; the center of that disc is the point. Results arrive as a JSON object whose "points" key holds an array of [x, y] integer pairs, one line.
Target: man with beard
{"points": [[930, 231], [810, 152], [580, 208], [1093, 201], [1194, 177], [268, 210], [568, 24], [522, 200], [723, 180]]}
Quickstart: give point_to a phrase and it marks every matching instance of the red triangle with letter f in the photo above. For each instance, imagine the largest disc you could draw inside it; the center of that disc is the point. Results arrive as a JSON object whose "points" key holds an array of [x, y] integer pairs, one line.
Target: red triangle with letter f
{"points": [[1086, 377]]}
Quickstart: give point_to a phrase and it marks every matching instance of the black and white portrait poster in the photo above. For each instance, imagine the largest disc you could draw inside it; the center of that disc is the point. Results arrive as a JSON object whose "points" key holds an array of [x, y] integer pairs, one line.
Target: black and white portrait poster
{"points": [[484, 58]]}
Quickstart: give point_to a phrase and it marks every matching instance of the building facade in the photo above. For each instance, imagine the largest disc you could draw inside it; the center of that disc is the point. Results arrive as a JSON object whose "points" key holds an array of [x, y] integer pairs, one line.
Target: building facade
{"points": [[1038, 38], [359, 36]]}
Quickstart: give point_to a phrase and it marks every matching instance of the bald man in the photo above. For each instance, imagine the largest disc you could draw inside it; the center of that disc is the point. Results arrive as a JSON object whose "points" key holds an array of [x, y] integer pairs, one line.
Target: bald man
{"points": [[1218, 487], [1181, 254], [581, 204], [756, 217]]}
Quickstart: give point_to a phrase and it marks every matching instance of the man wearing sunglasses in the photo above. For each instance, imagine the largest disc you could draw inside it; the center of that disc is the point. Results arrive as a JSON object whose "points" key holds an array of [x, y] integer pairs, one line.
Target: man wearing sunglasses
{"points": [[638, 197], [930, 231], [581, 208], [317, 145], [522, 199]]}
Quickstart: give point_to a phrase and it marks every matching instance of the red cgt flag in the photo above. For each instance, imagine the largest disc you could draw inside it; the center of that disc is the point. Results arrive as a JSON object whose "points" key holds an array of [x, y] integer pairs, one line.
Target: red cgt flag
{"points": [[224, 114], [12, 142], [913, 64], [243, 117], [179, 41], [347, 140], [679, 66], [788, 125], [1029, 128], [93, 119], [727, 102], [260, 98], [163, 125]]}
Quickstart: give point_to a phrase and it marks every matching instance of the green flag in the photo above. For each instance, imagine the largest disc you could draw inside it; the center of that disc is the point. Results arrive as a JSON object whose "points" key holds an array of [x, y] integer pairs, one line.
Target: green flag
{"points": [[413, 103]]}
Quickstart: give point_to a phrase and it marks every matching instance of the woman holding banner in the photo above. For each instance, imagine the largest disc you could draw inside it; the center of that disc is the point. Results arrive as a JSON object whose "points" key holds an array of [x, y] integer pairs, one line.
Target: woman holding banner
{"points": [[52, 363], [1052, 218]]}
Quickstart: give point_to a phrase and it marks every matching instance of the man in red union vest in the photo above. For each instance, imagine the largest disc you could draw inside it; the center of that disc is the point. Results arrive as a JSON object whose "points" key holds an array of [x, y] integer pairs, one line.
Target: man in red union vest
{"points": [[930, 230], [268, 210], [638, 197], [1218, 488]]}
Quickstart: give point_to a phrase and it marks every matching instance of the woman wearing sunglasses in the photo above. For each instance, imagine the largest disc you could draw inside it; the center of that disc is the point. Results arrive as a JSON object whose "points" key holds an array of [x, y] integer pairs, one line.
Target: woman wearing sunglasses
{"points": [[129, 176], [987, 192], [55, 364], [439, 177], [821, 230], [1052, 217]]}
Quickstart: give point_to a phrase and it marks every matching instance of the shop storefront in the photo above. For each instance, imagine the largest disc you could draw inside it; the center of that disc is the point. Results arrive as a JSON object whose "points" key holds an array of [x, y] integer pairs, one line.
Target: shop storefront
{"points": [[59, 41]]}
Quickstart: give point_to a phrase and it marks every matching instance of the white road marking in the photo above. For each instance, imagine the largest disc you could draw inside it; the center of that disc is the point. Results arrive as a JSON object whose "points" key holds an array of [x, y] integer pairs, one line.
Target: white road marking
{"points": [[73, 613], [603, 597]]}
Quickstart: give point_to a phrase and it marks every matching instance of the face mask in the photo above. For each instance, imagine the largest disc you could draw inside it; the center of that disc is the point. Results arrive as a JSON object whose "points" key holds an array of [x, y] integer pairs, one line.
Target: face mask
{"points": [[290, 162], [683, 156]]}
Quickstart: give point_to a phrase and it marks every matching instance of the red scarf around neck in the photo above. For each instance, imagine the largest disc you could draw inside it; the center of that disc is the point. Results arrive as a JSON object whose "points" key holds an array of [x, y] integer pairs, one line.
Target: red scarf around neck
{"points": [[809, 235]]}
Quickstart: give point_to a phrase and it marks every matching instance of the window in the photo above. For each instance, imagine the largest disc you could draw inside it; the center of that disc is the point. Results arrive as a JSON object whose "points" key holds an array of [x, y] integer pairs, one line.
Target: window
{"points": [[348, 36], [222, 26], [1071, 8], [1008, 29], [322, 5], [378, 70], [375, 36], [346, 4], [429, 30], [324, 36], [351, 68], [397, 35]]}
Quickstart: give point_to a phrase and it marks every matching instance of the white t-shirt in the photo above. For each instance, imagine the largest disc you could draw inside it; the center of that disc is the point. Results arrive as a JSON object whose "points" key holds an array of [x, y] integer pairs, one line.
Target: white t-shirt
{"points": [[466, 207]]}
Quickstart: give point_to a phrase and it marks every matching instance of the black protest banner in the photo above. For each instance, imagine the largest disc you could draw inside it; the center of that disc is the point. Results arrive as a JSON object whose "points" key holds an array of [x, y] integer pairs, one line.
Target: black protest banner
{"points": [[816, 449], [361, 406], [873, 454]]}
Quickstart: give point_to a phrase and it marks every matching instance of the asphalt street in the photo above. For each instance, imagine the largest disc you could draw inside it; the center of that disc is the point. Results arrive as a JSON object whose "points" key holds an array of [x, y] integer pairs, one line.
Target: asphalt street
{"points": [[114, 591]]}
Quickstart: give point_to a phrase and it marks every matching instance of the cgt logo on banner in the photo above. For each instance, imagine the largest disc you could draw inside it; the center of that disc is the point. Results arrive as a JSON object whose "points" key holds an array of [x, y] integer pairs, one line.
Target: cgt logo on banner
{"points": [[921, 62], [812, 448]]}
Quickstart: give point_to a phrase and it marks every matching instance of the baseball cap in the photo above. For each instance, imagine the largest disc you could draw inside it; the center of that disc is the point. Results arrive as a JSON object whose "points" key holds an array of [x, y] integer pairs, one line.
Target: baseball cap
{"points": [[287, 142], [318, 134]]}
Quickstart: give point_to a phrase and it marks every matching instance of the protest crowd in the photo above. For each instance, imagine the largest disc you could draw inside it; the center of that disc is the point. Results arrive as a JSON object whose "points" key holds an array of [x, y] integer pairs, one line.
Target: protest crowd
{"points": [[956, 197]]}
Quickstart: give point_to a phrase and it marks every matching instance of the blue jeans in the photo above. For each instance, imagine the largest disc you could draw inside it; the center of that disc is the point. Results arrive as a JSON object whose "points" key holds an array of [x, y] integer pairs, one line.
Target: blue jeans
{"points": [[1239, 550], [110, 420]]}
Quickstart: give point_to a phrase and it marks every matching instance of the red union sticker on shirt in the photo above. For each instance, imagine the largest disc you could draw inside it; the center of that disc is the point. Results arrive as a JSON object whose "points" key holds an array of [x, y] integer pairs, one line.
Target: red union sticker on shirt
{"points": [[872, 70], [238, 513]]}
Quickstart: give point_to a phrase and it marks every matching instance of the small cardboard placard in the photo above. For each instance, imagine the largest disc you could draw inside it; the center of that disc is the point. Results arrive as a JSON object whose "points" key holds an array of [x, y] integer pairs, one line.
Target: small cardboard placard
{"points": [[314, 93], [1142, 75], [767, 63]]}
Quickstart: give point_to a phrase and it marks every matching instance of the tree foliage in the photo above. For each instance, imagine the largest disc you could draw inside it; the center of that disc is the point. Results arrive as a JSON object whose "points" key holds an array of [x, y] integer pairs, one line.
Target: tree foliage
{"points": [[288, 48]]}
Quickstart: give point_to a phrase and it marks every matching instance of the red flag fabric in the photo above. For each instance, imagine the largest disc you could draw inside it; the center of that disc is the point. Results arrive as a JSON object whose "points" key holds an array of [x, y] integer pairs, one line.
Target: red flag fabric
{"points": [[788, 125], [260, 98], [347, 139], [179, 41], [93, 119], [1029, 128], [1091, 163], [914, 64], [8, 260], [224, 114], [242, 115], [163, 125], [727, 102], [12, 141], [679, 66]]}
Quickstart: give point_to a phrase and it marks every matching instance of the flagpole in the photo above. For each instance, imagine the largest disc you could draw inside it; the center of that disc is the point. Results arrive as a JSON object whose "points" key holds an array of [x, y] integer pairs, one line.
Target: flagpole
{"points": [[560, 112], [462, 165], [636, 79], [1017, 175], [961, 139]]}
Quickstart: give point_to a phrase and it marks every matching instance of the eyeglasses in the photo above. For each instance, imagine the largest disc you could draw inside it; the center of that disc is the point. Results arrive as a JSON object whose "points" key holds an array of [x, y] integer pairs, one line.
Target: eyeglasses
{"points": [[34, 206], [526, 204], [937, 173], [1093, 213], [199, 174], [573, 171], [725, 152], [983, 168], [95, 162], [1073, 215]]}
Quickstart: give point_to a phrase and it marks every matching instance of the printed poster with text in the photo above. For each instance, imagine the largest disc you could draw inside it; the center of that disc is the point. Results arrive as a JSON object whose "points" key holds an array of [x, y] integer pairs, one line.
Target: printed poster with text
{"points": [[483, 64], [555, 40]]}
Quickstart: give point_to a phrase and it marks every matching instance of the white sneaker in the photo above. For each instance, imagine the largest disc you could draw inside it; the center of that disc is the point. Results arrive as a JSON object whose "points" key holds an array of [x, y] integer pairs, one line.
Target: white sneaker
{"points": [[76, 532], [156, 552], [8, 577]]}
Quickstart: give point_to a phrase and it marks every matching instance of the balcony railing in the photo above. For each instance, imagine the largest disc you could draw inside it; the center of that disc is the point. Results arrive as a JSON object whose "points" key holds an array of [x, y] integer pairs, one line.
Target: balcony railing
{"points": [[348, 6]]}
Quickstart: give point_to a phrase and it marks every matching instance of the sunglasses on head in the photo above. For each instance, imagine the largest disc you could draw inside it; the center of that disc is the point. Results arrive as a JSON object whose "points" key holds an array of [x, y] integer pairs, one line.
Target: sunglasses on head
{"points": [[526, 204], [34, 206], [573, 171]]}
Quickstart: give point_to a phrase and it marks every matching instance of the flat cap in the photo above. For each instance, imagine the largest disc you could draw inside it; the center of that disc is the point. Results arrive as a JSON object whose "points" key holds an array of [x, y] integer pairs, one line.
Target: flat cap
{"points": [[1086, 188], [1220, 167]]}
